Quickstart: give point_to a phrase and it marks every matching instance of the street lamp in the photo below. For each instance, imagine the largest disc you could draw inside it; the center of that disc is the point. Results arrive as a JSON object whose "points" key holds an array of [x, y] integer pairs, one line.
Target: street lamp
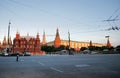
{"points": [[9, 31], [8, 36], [69, 42]]}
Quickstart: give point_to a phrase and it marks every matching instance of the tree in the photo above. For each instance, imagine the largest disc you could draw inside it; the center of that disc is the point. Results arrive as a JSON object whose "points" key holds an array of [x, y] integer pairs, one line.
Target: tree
{"points": [[48, 49], [83, 48], [118, 49], [62, 47]]}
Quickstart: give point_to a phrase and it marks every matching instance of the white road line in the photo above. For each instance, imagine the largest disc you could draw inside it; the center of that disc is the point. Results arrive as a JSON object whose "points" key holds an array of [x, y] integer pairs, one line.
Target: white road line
{"points": [[33, 60], [56, 69], [21, 60], [41, 63], [82, 65]]}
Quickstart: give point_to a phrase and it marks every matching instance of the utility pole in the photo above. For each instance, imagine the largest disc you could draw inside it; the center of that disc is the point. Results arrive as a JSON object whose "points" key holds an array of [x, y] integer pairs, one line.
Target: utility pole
{"points": [[69, 42]]}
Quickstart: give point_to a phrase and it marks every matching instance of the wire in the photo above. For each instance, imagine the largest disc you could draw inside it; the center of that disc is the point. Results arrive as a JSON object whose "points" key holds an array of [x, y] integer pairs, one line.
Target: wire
{"points": [[7, 9], [47, 12], [114, 13]]}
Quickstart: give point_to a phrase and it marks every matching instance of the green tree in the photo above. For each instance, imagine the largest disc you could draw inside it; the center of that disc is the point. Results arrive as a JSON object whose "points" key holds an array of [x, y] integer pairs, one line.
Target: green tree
{"points": [[83, 48], [62, 47], [48, 49], [118, 49]]}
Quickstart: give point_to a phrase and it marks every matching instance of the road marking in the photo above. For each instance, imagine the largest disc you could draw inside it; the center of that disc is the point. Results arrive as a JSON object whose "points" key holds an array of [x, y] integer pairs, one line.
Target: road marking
{"points": [[82, 65], [33, 60], [56, 69], [21, 60], [41, 63]]}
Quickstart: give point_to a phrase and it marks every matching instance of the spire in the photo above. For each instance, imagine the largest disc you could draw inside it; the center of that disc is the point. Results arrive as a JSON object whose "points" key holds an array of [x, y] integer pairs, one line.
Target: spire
{"points": [[4, 41], [27, 34], [17, 35], [57, 32], [37, 36], [90, 43], [108, 43], [57, 41], [44, 38]]}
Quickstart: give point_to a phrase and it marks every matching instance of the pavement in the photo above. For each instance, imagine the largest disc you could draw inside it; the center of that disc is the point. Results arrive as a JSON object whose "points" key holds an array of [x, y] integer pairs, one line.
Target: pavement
{"points": [[61, 66]]}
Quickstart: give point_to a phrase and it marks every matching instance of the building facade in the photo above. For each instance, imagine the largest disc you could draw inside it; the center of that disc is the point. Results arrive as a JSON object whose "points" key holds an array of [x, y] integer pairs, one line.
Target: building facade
{"points": [[4, 44], [33, 45], [79, 44], [73, 44], [76, 44], [27, 43]]}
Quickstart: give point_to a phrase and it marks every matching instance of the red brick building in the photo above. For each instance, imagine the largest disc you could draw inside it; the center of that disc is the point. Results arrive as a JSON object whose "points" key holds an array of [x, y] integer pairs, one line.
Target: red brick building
{"points": [[27, 43]]}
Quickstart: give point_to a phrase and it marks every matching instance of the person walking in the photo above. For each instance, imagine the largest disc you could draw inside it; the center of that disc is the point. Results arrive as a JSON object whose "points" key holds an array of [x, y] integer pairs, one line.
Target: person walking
{"points": [[17, 57]]}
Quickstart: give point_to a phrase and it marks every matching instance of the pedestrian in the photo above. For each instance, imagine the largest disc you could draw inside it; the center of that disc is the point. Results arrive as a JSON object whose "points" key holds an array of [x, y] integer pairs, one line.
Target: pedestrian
{"points": [[17, 57]]}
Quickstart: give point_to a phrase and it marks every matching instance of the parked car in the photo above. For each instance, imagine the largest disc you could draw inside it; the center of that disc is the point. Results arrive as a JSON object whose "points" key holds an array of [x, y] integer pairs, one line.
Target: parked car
{"points": [[16, 53], [94, 52], [5, 54], [86, 51], [27, 54], [62, 52], [106, 51]]}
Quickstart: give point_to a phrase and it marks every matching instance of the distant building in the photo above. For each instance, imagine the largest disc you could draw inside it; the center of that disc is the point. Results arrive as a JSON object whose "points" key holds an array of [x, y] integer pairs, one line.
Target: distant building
{"points": [[4, 43], [33, 45], [73, 44], [44, 39], [27, 43]]}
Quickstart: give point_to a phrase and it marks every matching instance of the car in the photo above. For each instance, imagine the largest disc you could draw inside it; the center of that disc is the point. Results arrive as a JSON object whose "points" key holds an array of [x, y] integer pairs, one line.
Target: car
{"points": [[94, 52], [5, 54], [86, 51], [106, 51], [62, 52], [16, 53], [27, 54]]}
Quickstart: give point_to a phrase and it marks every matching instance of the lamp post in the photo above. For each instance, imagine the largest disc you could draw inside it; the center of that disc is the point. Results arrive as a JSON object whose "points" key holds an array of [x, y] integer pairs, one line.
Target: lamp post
{"points": [[69, 42], [8, 32], [8, 36]]}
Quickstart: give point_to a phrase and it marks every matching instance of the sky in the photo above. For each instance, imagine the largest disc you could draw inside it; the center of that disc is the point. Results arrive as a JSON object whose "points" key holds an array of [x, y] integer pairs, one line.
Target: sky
{"points": [[84, 19]]}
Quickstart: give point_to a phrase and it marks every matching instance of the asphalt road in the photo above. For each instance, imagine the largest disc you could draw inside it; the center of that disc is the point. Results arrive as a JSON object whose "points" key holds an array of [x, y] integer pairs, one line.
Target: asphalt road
{"points": [[61, 66]]}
